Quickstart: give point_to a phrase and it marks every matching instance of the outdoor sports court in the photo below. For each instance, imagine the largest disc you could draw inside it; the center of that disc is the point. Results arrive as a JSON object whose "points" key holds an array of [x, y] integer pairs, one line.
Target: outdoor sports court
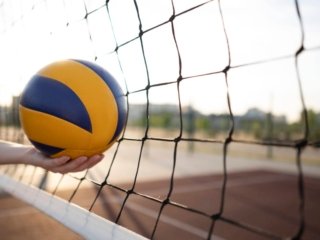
{"points": [[260, 196]]}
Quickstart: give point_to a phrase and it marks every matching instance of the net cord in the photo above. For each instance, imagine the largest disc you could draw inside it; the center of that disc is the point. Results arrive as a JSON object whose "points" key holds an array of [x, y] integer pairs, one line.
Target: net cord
{"points": [[87, 224]]}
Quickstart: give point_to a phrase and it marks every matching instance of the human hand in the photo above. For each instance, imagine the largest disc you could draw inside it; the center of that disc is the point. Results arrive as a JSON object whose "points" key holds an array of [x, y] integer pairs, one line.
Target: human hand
{"points": [[62, 164]]}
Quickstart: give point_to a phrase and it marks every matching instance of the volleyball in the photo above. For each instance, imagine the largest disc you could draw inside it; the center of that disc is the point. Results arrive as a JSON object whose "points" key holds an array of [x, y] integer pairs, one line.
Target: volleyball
{"points": [[72, 108]]}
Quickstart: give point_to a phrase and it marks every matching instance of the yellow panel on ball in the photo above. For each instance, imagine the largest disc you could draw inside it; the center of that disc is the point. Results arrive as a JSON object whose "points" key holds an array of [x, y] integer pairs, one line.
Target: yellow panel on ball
{"points": [[63, 134], [74, 108]]}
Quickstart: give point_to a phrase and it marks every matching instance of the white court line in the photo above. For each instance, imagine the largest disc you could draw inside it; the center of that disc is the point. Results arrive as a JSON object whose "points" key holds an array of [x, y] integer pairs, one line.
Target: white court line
{"points": [[218, 184], [172, 221]]}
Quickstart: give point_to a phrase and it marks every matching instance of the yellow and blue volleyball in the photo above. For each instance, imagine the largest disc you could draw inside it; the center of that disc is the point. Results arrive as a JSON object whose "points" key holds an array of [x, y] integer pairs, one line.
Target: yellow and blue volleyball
{"points": [[73, 108]]}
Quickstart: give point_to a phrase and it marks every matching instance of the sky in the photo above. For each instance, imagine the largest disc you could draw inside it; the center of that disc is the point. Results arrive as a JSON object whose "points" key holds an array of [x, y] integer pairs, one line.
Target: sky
{"points": [[257, 31]]}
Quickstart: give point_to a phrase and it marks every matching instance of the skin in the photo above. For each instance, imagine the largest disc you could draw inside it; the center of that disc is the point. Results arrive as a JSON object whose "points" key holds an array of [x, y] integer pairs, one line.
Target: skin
{"points": [[13, 153]]}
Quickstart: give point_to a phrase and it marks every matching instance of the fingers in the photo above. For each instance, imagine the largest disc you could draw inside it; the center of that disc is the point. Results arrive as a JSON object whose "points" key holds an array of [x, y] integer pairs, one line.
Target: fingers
{"points": [[75, 165], [50, 164], [89, 163], [58, 161], [70, 165]]}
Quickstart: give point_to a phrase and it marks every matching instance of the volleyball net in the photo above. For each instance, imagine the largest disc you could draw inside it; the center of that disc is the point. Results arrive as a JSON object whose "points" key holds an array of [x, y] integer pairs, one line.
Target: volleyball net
{"points": [[213, 88]]}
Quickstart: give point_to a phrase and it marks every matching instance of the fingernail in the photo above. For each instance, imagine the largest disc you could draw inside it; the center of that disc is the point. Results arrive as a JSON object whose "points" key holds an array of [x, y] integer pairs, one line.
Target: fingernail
{"points": [[99, 156]]}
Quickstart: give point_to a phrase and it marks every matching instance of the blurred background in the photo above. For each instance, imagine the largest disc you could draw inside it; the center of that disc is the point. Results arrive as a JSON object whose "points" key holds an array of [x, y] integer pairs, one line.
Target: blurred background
{"points": [[214, 89]]}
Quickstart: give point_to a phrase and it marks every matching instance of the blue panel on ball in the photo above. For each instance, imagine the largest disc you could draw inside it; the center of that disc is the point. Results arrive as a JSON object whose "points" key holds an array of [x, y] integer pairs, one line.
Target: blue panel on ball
{"points": [[122, 116], [116, 90], [46, 149], [52, 97]]}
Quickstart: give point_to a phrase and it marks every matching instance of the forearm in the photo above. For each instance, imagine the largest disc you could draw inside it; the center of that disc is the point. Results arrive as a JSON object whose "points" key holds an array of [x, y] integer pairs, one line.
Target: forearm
{"points": [[13, 153]]}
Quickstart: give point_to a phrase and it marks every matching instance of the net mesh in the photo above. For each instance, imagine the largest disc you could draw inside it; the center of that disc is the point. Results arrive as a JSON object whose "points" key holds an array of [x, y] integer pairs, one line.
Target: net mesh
{"points": [[172, 58]]}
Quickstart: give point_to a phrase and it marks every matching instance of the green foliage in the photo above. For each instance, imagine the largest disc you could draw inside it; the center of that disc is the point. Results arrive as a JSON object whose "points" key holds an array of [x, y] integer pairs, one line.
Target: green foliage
{"points": [[265, 128], [202, 123], [314, 125]]}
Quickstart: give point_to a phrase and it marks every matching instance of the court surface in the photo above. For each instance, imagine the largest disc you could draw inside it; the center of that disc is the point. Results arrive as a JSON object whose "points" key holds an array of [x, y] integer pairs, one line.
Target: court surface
{"points": [[265, 199]]}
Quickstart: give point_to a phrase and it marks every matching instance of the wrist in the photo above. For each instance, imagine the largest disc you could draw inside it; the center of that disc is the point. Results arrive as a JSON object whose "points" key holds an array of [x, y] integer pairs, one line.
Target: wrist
{"points": [[28, 155]]}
